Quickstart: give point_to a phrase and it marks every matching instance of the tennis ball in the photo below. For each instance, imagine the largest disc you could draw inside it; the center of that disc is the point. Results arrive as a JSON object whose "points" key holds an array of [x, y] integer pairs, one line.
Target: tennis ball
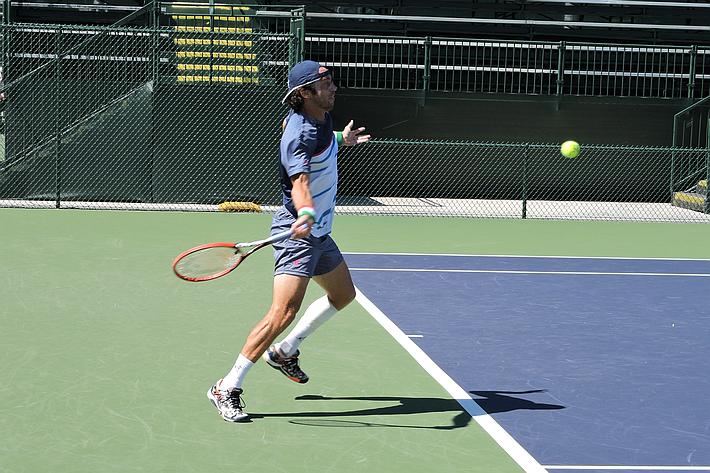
{"points": [[570, 149]]}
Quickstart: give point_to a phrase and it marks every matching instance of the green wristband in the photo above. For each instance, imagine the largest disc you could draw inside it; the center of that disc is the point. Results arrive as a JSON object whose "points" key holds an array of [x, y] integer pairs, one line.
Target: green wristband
{"points": [[339, 138], [307, 211]]}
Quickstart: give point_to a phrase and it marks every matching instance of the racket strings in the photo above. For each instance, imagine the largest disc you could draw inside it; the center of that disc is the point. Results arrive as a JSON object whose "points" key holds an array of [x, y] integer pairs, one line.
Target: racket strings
{"points": [[208, 261]]}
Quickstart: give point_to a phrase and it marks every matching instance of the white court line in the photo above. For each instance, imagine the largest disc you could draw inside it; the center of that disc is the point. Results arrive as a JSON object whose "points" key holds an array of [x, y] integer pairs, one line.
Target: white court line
{"points": [[503, 438], [525, 256], [629, 467], [501, 271]]}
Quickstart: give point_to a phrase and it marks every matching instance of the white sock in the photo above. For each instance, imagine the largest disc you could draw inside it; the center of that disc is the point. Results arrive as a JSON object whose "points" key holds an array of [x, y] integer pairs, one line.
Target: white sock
{"points": [[235, 378], [317, 313]]}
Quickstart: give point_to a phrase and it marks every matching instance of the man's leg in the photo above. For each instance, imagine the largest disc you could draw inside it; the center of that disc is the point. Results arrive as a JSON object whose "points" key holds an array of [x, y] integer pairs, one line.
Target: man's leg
{"points": [[338, 286], [288, 295], [339, 290]]}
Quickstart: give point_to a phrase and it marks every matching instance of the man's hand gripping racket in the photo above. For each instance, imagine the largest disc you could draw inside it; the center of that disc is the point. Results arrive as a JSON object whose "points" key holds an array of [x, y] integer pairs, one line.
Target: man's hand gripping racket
{"points": [[214, 260]]}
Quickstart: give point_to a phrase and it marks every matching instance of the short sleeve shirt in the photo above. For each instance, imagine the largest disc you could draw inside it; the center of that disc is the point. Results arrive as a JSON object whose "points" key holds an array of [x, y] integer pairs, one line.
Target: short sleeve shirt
{"points": [[309, 146]]}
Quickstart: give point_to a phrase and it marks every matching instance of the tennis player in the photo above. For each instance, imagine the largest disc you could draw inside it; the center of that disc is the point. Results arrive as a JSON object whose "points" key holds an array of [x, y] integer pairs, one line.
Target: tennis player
{"points": [[309, 181]]}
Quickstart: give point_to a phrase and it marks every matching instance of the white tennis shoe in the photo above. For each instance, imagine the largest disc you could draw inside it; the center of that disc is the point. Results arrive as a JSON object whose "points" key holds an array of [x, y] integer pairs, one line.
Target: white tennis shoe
{"points": [[228, 402]]}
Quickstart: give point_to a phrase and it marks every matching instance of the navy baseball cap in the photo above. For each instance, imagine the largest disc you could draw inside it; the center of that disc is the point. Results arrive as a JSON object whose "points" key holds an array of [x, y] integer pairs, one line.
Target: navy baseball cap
{"points": [[304, 73]]}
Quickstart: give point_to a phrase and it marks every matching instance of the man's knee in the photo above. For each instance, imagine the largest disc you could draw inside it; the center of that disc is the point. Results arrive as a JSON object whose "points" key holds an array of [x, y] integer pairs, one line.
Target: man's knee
{"points": [[343, 299]]}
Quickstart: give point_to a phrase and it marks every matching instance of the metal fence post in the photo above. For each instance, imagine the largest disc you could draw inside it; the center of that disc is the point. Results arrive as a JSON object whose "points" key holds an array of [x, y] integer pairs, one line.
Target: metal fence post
{"points": [[6, 21], [297, 45], [427, 71], [210, 77], [691, 78], [707, 167], [6, 7], [155, 79], [673, 153], [57, 120], [561, 68], [302, 36], [525, 180]]}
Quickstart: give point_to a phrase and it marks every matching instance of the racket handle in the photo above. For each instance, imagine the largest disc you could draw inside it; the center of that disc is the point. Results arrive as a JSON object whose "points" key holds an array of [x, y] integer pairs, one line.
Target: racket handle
{"points": [[278, 237]]}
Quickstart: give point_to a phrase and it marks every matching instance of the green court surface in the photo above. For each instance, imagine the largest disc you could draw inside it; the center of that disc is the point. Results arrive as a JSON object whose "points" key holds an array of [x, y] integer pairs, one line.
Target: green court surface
{"points": [[105, 356]]}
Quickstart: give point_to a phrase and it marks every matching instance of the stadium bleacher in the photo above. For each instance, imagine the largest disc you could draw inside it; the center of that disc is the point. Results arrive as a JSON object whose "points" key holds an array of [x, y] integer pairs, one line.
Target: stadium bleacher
{"points": [[516, 19]]}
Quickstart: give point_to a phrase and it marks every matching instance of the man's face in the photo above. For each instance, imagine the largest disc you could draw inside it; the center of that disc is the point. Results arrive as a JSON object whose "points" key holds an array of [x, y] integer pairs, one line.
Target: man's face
{"points": [[324, 96]]}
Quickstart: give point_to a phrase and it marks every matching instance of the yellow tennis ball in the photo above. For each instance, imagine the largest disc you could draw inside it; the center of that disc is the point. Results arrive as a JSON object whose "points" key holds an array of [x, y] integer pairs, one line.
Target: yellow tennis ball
{"points": [[570, 149]]}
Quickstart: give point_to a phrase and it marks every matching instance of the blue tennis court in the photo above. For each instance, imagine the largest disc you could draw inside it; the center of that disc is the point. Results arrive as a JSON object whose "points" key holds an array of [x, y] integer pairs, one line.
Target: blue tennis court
{"points": [[591, 364]]}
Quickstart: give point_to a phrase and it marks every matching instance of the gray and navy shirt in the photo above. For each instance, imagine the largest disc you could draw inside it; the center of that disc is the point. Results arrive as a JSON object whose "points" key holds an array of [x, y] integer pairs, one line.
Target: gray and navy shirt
{"points": [[309, 146]]}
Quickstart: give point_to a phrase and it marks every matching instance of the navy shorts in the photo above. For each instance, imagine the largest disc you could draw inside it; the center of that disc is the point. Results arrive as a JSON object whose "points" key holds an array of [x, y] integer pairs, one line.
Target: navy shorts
{"points": [[310, 256]]}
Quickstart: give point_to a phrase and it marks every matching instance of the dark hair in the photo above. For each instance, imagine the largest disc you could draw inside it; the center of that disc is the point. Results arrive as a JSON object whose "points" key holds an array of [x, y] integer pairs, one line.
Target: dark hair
{"points": [[295, 100]]}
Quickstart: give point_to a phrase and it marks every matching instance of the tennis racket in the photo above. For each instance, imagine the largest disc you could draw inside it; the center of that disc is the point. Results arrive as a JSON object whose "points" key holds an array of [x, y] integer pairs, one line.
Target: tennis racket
{"points": [[214, 260]]}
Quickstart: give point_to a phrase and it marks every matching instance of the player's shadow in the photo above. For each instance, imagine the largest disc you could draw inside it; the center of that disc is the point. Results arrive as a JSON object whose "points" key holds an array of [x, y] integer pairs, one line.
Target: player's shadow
{"points": [[500, 401], [495, 401]]}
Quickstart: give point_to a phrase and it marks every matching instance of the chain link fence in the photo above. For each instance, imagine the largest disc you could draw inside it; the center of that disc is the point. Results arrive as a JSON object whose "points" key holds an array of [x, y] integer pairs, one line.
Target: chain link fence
{"points": [[141, 115], [517, 180], [188, 117]]}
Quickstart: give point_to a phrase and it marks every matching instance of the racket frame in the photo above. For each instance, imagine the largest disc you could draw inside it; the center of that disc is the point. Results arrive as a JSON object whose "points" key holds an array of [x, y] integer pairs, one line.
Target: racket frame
{"points": [[253, 245]]}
